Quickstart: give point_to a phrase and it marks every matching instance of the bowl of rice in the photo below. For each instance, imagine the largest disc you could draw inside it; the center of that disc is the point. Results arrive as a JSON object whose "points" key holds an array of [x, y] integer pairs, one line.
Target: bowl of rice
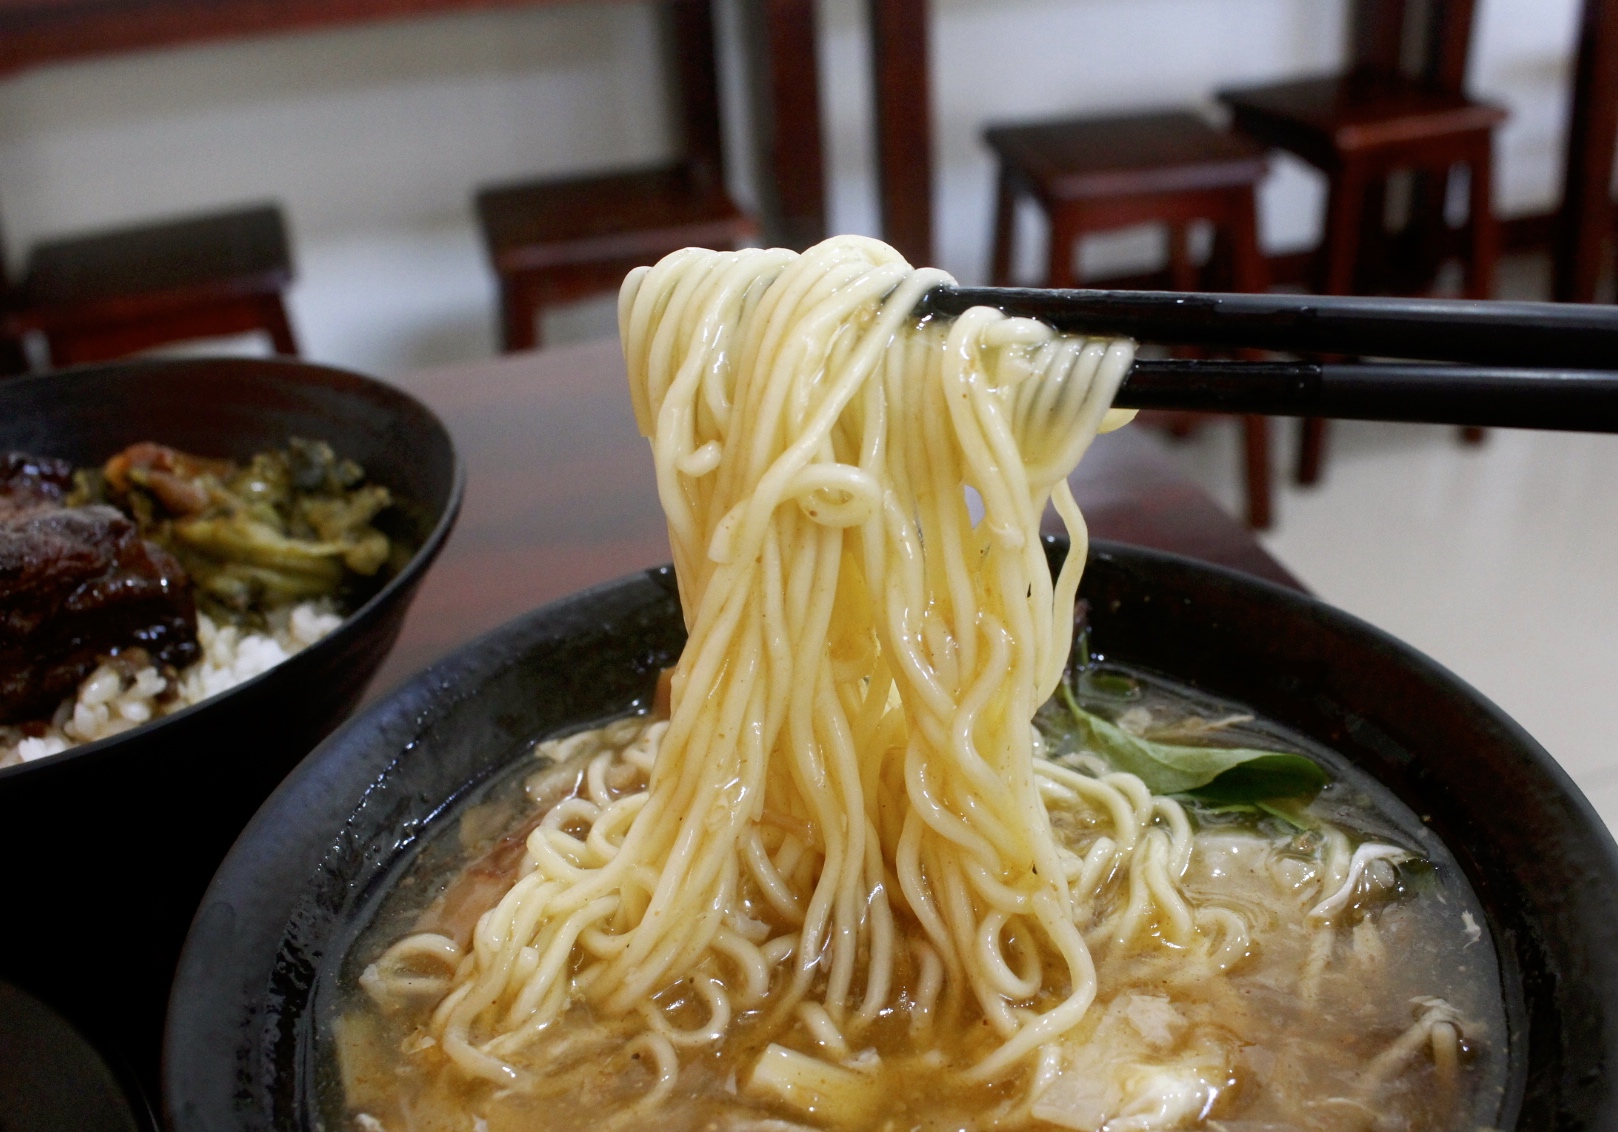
{"points": [[118, 803], [117, 697]]}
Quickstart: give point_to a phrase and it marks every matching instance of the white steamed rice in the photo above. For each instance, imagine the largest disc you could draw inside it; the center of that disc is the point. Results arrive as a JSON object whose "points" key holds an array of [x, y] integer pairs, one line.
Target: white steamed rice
{"points": [[110, 701]]}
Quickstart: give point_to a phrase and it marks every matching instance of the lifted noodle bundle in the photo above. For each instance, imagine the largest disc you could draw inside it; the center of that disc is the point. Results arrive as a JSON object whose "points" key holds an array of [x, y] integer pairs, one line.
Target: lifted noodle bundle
{"points": [[842, 839]]}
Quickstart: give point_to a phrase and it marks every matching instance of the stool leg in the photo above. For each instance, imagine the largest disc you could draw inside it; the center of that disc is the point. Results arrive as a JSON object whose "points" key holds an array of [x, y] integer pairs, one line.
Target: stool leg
{"points": [[519, 317], [279, 326], [1485, 242], [1250, 273], [1256, 443], [1065, 229], [1345, 207], [1339, 251], [1005, 230], [60, 349], [1485, 229], [1311, 450], [13, 359], [1182, 273], [1374, 251]]}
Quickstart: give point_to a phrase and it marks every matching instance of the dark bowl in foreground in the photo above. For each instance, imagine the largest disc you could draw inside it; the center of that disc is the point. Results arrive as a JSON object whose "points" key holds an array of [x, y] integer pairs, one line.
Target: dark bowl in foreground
{"points": [[290, 896], [109, 846]]}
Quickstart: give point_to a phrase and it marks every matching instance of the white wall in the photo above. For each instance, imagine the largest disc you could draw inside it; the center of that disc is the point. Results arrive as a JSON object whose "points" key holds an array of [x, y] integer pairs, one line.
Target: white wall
{"points": [[374, 137], [364, 127]]}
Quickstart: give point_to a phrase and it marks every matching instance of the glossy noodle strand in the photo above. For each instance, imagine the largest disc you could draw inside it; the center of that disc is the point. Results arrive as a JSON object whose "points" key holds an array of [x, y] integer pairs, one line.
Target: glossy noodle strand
{"points": [[845, 816]]}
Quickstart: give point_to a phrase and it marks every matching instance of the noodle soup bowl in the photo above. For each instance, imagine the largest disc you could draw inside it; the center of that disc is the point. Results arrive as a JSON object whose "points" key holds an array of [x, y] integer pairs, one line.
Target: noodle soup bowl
{"points": [[117, 839], [256, 980]]}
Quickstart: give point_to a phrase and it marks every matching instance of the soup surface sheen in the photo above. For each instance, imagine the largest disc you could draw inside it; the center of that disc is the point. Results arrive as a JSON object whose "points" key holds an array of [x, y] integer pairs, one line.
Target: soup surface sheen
{"points": [[1355, 986]]}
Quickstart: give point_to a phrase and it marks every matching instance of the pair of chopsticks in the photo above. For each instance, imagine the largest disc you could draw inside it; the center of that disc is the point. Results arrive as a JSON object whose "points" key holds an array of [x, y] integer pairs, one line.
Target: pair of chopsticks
{"points": [[1507, 364]]}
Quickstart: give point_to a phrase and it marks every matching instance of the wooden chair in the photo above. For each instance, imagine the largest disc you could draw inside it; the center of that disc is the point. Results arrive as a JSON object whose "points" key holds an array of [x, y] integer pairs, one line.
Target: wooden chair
{"points": [[1096, 174], [1401, 107], [108, 294], [563, 239], [13, 360]]}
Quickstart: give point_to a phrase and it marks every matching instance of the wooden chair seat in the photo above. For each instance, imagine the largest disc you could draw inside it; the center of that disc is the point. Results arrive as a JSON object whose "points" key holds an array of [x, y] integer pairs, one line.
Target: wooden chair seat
{"points": [[1358, 128], [1125, 155], [1095, 174], [1321, 119], [565, 238], [107, 294], [559, 240]]}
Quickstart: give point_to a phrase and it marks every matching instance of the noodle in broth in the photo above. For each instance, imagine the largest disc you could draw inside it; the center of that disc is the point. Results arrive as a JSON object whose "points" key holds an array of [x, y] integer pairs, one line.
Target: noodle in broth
{"points": [[842, 883]]}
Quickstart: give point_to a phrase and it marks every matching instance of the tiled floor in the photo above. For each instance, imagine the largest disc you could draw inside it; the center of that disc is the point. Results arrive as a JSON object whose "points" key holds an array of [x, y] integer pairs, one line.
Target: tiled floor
{"points": [[1500, 561]]}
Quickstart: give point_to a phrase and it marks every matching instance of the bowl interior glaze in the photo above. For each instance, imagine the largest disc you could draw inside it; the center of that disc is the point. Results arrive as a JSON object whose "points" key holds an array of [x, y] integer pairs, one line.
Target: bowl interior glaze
{"points": [[239, 1052]]}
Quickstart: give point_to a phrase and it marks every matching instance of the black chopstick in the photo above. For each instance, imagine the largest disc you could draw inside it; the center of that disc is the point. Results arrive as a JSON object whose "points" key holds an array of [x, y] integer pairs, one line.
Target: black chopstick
{"points": [[1563, 400], [1536, 335]]}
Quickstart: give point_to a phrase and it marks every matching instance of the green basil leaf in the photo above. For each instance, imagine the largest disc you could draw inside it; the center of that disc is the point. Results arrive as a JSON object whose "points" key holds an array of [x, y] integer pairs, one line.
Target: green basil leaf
{"points": [[1229, 775], [1284, 813], [1269, 775], [1114, 684]]}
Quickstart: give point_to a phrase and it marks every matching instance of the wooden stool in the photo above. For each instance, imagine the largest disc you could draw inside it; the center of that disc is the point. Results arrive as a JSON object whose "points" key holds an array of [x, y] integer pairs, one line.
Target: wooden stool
{"points": [[558, 240], [562, 240], [1104, 173], [13, 360], [109, 294], [1376, 120]]}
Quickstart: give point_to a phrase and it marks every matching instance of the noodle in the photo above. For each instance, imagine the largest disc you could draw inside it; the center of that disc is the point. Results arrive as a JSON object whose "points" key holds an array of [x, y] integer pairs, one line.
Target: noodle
{"points": [[844, 813]]}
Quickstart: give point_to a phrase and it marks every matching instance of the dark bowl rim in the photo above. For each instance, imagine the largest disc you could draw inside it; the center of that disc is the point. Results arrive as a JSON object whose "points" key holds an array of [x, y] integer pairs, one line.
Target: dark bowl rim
{"points": [[408, 575], [266, 846]]}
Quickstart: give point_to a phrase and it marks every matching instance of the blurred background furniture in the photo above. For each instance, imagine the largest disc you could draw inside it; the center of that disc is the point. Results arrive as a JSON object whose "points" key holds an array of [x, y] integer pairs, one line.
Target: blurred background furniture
{"points": [[561, 239], [556, 241], [569, 238], [12, 358], [1399, 111], [1584, 223], [1095, 174], [107, 294]]}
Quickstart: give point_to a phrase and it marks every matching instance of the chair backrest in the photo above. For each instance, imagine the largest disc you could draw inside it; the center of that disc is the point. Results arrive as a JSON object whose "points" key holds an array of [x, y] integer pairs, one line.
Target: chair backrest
{"points": [[1426, 39], [697, 74]]}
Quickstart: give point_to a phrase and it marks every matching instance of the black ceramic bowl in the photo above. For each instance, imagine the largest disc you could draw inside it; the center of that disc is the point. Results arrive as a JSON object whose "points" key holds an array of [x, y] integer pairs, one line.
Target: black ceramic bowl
{"points": [[289, 898], [107, 847]]}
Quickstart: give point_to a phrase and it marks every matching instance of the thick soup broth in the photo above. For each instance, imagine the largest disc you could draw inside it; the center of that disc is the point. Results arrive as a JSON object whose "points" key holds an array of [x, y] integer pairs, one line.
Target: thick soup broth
{"points": [[1382, 1011]]}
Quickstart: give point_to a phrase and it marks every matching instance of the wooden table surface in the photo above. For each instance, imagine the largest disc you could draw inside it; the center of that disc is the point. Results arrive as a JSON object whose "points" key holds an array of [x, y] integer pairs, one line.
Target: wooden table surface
{"points": [[560, 496]]}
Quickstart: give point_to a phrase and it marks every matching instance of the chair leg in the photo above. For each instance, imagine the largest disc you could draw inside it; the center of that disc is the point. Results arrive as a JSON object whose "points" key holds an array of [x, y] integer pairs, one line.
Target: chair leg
{"points": [[519, 317], [1311, 450], [1249, 270], [1250, 273], [1005, 230], [1345, 208], [1426, 237], [1182, 273], [1256, 442], [13, 358], [279, 326], [1065, 229], [1372, 248], [1485, 249], [64, 350]]}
